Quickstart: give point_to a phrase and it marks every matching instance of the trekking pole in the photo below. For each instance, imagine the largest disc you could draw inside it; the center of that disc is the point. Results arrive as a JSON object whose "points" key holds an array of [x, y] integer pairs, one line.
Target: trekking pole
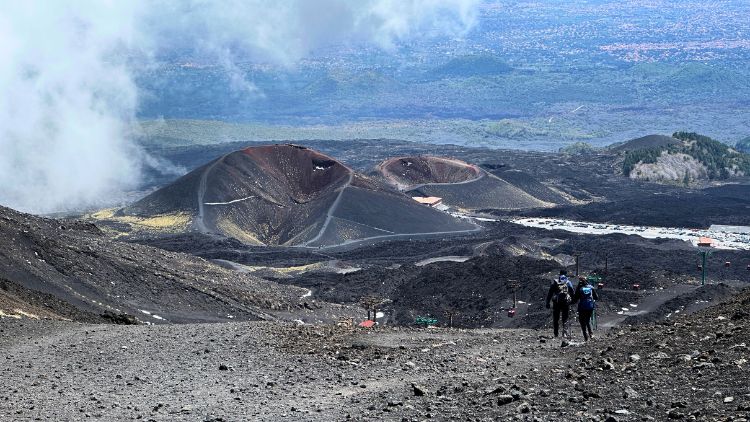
{"points": [[593, 319]]}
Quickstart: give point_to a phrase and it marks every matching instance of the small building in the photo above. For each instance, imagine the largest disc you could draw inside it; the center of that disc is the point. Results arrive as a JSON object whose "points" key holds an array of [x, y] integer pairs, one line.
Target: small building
{"points": [[705, 242], [432, 201]]}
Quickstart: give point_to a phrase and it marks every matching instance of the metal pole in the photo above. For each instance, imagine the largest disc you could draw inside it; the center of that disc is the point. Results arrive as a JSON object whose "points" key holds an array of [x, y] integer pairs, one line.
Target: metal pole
{"points": [[606, 267], [593, 319], [578, 256], [703, 268], [514, 284]]}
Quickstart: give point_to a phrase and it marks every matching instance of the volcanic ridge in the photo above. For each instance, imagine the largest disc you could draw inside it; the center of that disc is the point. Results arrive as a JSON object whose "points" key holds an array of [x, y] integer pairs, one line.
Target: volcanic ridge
{"points": [[69, 269], [293, 196]]}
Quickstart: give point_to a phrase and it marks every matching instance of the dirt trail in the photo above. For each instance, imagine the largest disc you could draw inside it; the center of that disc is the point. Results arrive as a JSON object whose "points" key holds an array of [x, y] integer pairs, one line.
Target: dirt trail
{"points": [[270, 371], [648, 303], [200, 222], [331, 210]]}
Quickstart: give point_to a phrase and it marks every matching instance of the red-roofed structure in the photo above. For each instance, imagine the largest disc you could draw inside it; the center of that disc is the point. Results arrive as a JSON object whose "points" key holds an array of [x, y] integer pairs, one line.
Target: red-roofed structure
{"points": [[705, 242], [432, 201]]}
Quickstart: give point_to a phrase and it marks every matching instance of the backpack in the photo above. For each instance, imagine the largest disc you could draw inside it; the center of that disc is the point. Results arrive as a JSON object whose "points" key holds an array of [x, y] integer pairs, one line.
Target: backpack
{"points": [[587, 298], [562, 295]]}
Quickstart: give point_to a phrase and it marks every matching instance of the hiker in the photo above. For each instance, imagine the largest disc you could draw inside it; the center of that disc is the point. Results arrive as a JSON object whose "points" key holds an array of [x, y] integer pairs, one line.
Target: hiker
{"points": [[560, 294], [586, 298]]}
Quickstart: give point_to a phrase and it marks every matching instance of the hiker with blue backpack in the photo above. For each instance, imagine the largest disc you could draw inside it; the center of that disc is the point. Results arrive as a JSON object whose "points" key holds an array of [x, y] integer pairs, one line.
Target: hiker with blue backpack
{"points": [[586, 297], [561, 295]]}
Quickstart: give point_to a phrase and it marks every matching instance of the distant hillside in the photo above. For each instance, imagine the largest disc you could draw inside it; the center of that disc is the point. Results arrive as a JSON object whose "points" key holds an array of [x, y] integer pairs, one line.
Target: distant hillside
{"points": [[467, 66], [744, 145], [576, 148], [683, 158], [649, 141]]}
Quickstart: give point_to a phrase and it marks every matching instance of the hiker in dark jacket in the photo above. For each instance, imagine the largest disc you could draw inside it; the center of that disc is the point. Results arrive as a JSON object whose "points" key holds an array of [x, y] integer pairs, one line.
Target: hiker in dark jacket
{"points": [[560, 294], [586, 298]]}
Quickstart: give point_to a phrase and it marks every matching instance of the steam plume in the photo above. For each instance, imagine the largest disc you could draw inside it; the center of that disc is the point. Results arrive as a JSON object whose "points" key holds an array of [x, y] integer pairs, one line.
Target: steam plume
{"points": [[68, 97]]}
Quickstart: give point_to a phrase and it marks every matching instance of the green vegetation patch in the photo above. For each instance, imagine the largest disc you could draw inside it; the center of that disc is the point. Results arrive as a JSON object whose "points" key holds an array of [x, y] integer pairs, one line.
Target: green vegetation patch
{"points": [[721, 161]]}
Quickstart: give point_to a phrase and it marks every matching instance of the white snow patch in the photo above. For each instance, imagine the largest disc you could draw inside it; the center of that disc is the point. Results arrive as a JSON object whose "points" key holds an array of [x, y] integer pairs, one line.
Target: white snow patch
{"points": [[724, 240], [450, 258], [154, 316], [229, 202]]}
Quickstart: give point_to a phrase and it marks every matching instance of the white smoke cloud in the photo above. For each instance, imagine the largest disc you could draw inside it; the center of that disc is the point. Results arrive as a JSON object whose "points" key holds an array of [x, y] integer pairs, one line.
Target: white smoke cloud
{"points": [[67, 93]]}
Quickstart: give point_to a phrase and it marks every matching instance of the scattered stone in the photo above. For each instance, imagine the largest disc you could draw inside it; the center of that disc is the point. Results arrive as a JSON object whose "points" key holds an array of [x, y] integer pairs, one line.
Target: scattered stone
{"points": [[523, 408], [607, 364], [418, 390], [504, 399], [496, 390], [630, 393], [622, 412], [675, 414]]}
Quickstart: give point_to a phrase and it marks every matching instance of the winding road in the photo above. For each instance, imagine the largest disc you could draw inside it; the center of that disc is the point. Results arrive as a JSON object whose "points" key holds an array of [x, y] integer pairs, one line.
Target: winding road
{"points": [[331, 210]]}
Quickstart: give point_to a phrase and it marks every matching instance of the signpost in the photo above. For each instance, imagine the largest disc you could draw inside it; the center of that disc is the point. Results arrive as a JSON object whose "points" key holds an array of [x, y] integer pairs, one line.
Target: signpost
{"points": [[705, 246], [513, 285], [594, 280]]}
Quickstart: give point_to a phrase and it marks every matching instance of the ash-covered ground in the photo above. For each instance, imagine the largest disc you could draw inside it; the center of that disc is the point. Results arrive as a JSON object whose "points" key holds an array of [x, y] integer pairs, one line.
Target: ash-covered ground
{"points": [[692, 368], [668, 349]]}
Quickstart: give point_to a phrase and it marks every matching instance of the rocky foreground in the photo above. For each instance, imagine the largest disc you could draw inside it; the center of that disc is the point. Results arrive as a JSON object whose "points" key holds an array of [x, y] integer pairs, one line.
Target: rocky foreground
{"points": [[693, 368]]}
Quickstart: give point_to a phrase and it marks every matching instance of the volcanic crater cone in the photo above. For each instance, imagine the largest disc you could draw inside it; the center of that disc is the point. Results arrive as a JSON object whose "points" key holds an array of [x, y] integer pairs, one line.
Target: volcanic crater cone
{"points": [[465, 185], [410, 172], [295, 196]]}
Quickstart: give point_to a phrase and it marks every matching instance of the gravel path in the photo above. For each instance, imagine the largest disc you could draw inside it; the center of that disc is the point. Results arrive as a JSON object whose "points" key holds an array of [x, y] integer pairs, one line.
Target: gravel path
{"points": [[693, 368]]}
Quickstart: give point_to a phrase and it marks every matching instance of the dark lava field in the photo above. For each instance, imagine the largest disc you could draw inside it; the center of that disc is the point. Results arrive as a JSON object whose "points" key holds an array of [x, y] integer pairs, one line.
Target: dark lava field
{"points": [[234, 293]]}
